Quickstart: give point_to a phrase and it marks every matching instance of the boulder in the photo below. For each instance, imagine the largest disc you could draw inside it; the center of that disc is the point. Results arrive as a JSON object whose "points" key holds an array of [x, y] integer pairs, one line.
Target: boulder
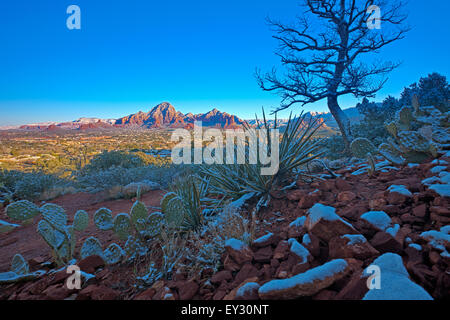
{"points": [[239, 251], [305, 284], [323, 222], [351, 246]]}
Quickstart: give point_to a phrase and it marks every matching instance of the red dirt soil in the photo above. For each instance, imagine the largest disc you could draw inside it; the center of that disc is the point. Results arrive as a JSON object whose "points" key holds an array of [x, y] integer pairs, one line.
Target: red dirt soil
{"points": [[26, 241]]}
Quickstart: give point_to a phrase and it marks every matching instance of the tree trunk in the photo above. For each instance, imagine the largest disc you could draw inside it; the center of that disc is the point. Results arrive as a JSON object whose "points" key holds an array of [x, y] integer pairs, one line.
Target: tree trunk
{"points": [[341, 119]]}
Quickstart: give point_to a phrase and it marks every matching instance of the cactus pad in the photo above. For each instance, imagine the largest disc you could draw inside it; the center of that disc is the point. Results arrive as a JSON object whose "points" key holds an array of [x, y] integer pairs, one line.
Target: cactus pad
{"points": [[362, 147], [81, 220], [91, 247], [22, 210], [405, 117], [138, 211], [113, 254], [55, 215], [413, 141], [19, 265], [103, 219], [53, 237], [390, 153], [122, 226]]}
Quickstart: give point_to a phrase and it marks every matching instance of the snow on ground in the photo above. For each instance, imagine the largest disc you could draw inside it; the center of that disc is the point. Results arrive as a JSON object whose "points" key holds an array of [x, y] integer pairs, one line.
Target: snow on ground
{"points": [[378, 219], [354, 238], [442, 189], [395, 281], [298, 223], [400, 189], [322, 272], [320, 211], [299, 250]]}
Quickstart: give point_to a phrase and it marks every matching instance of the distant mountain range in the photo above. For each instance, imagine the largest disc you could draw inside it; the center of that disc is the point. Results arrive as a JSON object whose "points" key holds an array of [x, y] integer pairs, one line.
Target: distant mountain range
{"points": [[164, 115]]}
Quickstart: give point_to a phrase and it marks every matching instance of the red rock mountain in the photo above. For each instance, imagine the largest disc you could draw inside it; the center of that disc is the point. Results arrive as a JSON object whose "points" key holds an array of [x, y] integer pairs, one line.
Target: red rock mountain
{"points": [[165, 115]]}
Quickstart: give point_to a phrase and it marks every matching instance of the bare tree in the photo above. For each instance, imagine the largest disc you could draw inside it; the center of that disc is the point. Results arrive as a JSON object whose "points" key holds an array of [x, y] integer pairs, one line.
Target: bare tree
{"points": [[322, 53]]}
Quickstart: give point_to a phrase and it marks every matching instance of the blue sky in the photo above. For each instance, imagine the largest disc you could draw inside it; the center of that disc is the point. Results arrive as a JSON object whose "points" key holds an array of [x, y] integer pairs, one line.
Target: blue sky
{"points": [[131, 55]]}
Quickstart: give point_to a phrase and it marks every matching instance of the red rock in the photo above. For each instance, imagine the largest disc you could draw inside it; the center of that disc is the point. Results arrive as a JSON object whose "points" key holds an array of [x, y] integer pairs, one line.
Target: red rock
{"points": [[410, 219], [248, 294], [414, 255], [420, 211], [434, 257], [396, 198], [219, 295], [35, 262], [325, 295], [296, 195], [377, 204], [266, 240], [230, 265], [443, 211], [57, 292], [247, 271], [355, 289], [248, 291], [59, 277], [341, 247], [97, 292], [263, 254], [224, 275], [326, 224], [327, 185], [187, 290], [239, 251], [146, 295], [91, 263], [300, 268], [314, 245], [343, 185], [282, 250], [384, 242], [346, 196]]}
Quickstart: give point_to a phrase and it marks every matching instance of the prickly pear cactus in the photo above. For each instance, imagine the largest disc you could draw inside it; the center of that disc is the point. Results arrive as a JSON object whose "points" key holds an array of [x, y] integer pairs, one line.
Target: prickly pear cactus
{"points": [[122, 226], [404, 118], [55, 215], [52, 237], [91, 247], [391, 127], [431, 137], [138, 211], [103, 219], [413, 141], [81, 220], [113, 254], [361, 148], [22, 210], [19, 265], [391, 154], [135, 247]]}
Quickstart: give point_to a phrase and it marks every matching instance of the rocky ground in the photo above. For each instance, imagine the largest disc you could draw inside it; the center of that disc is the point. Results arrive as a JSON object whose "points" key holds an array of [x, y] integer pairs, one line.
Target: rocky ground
{"points": [[314, 241]]}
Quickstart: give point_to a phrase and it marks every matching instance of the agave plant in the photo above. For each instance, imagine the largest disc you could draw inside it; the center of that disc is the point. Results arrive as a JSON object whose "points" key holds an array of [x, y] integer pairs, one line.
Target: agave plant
{"points": [[296, 149]]}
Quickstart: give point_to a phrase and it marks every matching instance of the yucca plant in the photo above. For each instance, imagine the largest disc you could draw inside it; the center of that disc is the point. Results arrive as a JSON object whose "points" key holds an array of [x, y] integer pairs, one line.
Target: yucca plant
{"points": [[184, 205], [296, 149]]}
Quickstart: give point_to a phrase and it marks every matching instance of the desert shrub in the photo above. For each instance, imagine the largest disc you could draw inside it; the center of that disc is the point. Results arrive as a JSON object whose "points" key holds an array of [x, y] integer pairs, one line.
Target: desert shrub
{"points": [[121, 176], [375, 115], [334, 147], [34, 185], [109, 159]]}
